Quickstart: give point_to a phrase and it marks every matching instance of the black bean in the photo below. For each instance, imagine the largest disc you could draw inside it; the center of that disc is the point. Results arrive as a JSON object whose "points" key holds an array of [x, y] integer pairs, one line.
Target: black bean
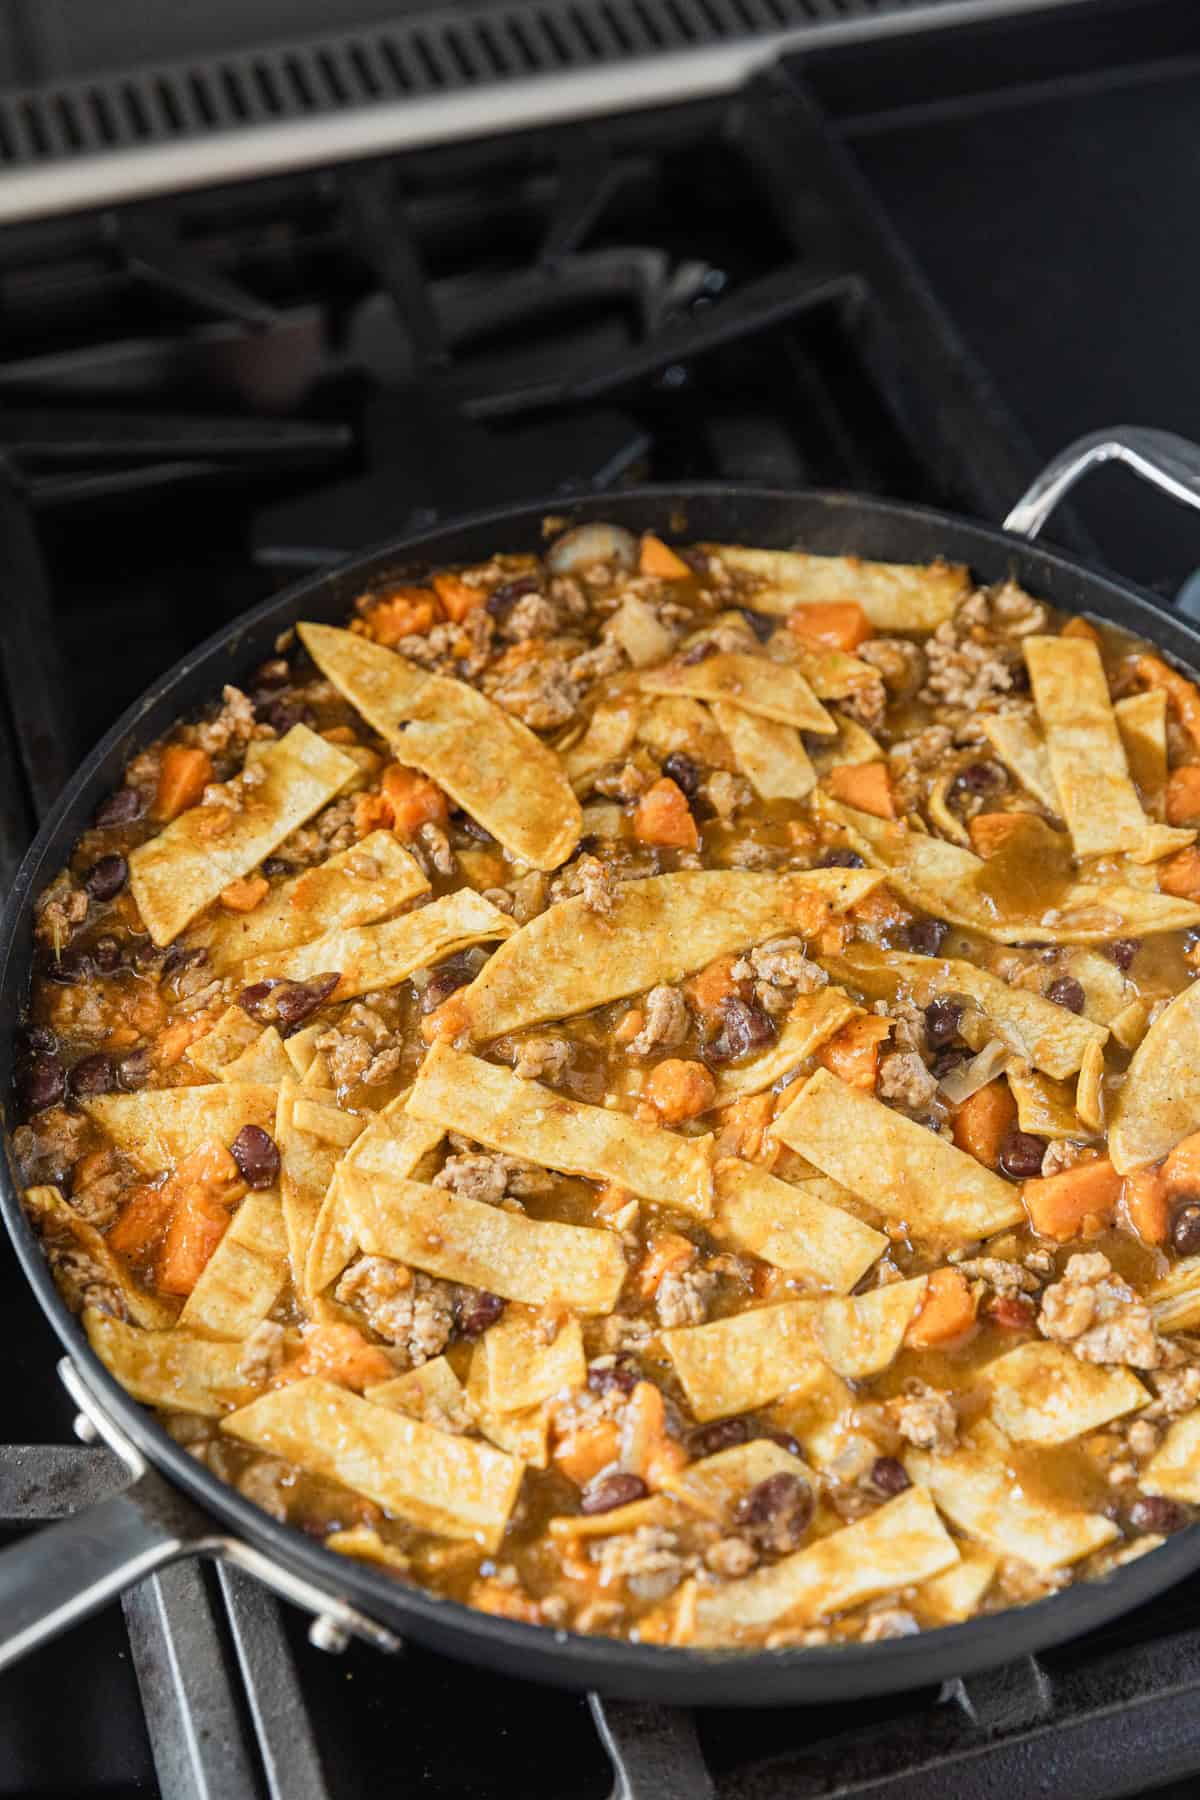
{"points": [[105, 879], [121, 807], [501, 599], [134, 1070], [889, 1476], [945, 1060], [283, 713], [760, 623], [1021, 1154], [683, 772], [978, 777], [744, 1028], [275, 865], [41, 1082], [604, 1493], [621, 1376], [36, 1040], [474, 829], [778, 1510], [722, 1434], [446, 979], [842, 859], [698, 653], [1153, 1512], [70, 967], [475, 1310], [92, 1075], [106, 954], [924, 937], [786, 1441], [146, 954], [178, 958], [942, 1020], [1185, 1227], [256, 1155], [1123, 951], [1067, 992]]}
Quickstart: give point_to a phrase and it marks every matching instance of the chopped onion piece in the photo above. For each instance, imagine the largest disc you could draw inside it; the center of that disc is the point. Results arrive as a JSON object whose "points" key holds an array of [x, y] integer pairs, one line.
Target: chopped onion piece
{"points": [[967, 1078]]}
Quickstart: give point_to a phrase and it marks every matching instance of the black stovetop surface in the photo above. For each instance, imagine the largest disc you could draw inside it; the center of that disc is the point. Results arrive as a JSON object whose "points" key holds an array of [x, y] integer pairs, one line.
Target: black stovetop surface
{"points": [[1044, 177]]}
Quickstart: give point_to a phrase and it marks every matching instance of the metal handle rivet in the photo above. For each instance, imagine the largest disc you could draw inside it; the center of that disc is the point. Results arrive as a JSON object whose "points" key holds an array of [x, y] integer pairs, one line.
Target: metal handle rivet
{"points": [[325, 1633]]}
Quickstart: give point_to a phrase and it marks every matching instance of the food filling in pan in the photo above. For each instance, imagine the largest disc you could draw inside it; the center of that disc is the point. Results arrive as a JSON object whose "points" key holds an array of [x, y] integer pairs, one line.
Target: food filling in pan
{"points": [[654, 1091]]}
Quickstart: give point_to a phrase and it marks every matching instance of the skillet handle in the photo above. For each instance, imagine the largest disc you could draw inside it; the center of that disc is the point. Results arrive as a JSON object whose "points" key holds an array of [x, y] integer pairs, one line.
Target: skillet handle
{"points": [[1169, 462]]}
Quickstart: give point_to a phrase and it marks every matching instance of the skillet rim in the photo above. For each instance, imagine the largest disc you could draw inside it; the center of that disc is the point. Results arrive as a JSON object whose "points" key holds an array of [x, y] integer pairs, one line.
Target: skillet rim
{"points": [[614, 1667]]}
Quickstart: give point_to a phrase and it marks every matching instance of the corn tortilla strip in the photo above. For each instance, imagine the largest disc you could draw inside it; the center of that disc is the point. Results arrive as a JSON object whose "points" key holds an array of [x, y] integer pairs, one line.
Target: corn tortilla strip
{"points": [[311, 1137], [370, 881], [572, 958], [1089, 1090], [176, 1369], [301, 1048], [954, 1595], [521, 1369], [487, 761], [1106, 992], [390, 1142], [1131, 1024], [947, 880], [812, 1021], [714, 1485], [422, 1393], [1021, 747], [754, 683], [671, 722], [610, 733], [1042, 1394], [522, 1434], [818, 1416], [792, 1229], [1175, 1300], [861, 1335], [364, 1543], [158, 1127], [59, 1224], [734, 1364], [903, 1543], [1044, 1107], [489, 1103], [434, 1479], [245, 1274], [1099, 801], [852, 745], [770, 755], [1049, 1036], [1142, 723], [371, 957], [655, 1509], [980, 1490], [264, 1061], [175, 875], [894, 596], [1174, 1469], [233, 1033], [831, 674], [538, 1261], [894, 1164], [1159, 1100]]}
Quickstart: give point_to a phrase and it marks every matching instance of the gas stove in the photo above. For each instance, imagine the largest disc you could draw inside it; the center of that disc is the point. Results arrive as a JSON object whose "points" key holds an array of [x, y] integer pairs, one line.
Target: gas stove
{"points": [[204, 391]]}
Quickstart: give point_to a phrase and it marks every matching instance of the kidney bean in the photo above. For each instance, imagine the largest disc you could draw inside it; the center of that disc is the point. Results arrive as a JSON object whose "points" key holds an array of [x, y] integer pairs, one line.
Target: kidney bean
{"points": [[106, 954], [72, 966], [276, 865], [683, 772], [924, 937], [36, 1040], [287, 1004], [503, 598], [604, 1493], [942, 1020], [134, 1070], [1185, 1227], [1153, 1512], [786, 1441], [889, 1476], [978, 777], [121, 807], [778, 1510], [722, 1434], [760, 623], [283, 713], [92, 1075], [620, 1377], [744, 1029], [1011, 1312], [1067, 992], [698, 653], [842, 859], [177, 959], [41, 1082], [473, 828], [475, 1310], [146, 954], [1021, 1154], [256, 1155], [1123, 951], [446, 979], [945, 1060], [105, 879]]}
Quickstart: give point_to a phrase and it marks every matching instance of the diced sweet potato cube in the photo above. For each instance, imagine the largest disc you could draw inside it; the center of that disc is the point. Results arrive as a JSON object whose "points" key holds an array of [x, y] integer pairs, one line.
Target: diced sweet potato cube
{"points": [[713, 984], [504, 1602], [407, 612], [1180, 874], [679, 1090], [243, 896], [587, 1450], [183, 775], [662, 816], [1076, 1201], [197, 1226], [338, 1351], [1081, 628], [1183, 795], [414, 800], [1181, 1170], [852, 1053], [881, 908], [141, 1221], [647, 1448], [946, 1313], [656, 558], [835, 624], [868, 786], [746, 1130], [670, 1250], [458, 597], [989, 832], [1146, 1204], [179, 1037], [982, 1121], [371, 813]]}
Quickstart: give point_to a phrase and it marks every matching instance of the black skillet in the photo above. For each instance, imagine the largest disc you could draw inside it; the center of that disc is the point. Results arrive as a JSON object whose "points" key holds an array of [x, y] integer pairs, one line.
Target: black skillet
{"points": [[174, 1507]]}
